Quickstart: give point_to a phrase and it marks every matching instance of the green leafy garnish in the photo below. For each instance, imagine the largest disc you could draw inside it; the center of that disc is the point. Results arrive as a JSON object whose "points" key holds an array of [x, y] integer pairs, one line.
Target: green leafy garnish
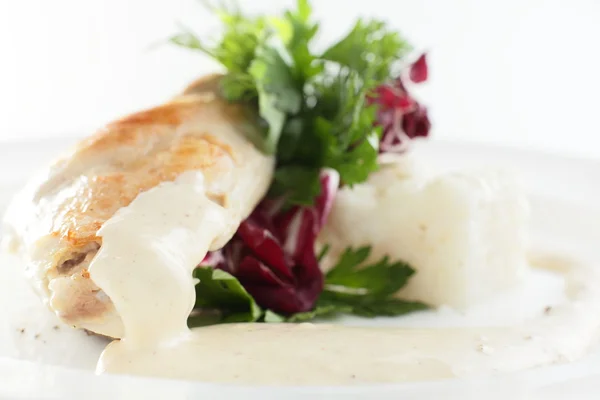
{"points": [[221, 298], [319, 312], [351, 287], [314, 111], [313, 104], [367, 290], [369, 49], [271, 316], [277, 94]]}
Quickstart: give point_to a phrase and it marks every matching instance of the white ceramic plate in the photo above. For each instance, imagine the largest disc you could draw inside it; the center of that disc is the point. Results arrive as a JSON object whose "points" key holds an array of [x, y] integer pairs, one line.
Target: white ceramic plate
{"points": [[41, 363]]}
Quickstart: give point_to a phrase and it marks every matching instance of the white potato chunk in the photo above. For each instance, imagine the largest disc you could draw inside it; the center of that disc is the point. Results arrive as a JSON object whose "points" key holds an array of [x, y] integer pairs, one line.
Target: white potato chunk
{"points": [[464, 233]]}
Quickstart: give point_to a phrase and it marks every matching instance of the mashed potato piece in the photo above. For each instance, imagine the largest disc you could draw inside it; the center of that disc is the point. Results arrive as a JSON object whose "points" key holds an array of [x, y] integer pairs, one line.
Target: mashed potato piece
{"points": [[464, 233]]}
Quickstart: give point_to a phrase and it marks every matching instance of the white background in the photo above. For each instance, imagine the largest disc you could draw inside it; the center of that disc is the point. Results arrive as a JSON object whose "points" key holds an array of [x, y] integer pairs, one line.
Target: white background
{"points": [[522, 73]]}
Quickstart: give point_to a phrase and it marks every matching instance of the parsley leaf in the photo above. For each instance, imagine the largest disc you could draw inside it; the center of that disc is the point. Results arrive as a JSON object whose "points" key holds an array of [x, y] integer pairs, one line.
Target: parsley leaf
{"points": [[238, 87], [186, 38], [386, 308], [298, 31], [300, 185], [272, 317], [380, 279], [346, 125], [319, 311], [348, 262], [367, 290], [221, 298], [313, 106], [277, 94], [370, 49]]}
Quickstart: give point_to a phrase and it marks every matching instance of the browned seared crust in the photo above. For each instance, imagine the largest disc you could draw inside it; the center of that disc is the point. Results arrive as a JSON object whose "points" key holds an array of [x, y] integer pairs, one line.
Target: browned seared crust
{"points": [[102, 194], [132, 155]]}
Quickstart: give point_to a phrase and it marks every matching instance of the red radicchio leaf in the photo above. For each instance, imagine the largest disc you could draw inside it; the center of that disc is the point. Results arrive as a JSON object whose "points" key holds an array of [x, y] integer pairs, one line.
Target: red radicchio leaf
{"points": [[419, 71], [273, 256], [401, 117], [416, 122]]}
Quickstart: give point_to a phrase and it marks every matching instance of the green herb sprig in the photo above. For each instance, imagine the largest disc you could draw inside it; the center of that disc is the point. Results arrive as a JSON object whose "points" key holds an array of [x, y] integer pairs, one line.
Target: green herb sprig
{"points": [[351, 287], [313, 104]]}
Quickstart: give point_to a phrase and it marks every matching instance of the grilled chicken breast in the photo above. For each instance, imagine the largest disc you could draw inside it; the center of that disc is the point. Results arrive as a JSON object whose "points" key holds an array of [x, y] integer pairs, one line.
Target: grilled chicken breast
{"points": [[53, 222]]}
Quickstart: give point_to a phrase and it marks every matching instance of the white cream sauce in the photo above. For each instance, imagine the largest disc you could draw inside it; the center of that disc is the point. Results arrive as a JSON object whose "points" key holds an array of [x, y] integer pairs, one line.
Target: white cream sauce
{"points": [[151, 247]]}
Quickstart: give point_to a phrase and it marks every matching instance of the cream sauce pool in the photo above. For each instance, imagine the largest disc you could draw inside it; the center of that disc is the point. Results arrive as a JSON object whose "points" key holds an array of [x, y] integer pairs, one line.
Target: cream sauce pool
{"points": [[154, 308]]}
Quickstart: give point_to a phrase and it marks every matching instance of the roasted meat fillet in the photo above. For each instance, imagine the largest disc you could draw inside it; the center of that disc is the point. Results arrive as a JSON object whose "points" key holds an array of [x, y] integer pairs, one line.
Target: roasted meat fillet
{"points": [[53, 222]]}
